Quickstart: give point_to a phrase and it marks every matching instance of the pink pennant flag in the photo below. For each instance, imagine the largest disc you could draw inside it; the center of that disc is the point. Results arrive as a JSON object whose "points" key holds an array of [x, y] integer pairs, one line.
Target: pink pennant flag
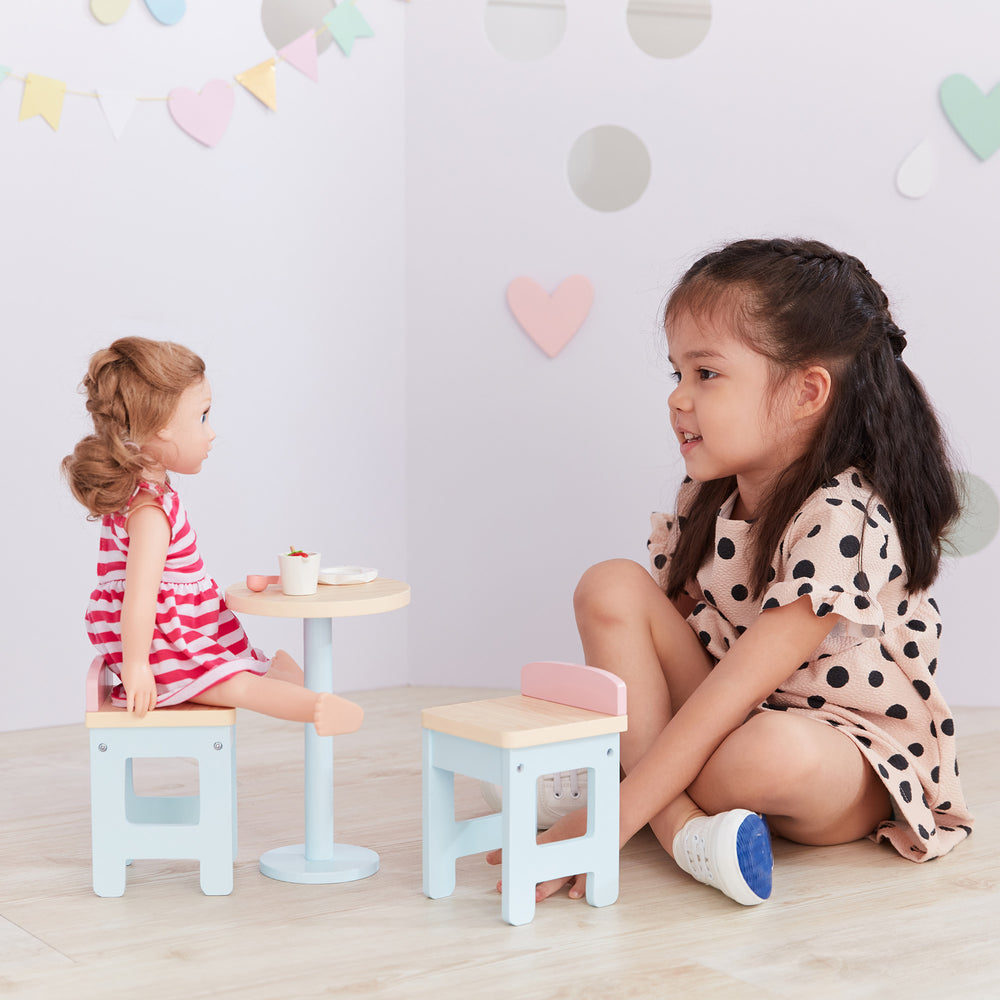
{"points": [[302, 55]]}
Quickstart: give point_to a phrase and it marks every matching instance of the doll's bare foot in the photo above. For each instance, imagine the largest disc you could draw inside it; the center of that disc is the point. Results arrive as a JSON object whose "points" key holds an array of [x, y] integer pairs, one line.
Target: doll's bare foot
{"points": [[284, 668], [335, 715]]}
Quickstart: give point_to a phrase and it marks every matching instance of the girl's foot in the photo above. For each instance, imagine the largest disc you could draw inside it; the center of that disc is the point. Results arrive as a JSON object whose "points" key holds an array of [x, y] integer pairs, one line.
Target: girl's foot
{"points": [[334, 715], [558, 795], [284, 668], [730, 851]]}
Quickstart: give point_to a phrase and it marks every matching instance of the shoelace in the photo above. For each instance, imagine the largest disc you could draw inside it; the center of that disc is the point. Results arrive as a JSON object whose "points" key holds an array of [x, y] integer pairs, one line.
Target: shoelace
{"points": [[574, 785]]}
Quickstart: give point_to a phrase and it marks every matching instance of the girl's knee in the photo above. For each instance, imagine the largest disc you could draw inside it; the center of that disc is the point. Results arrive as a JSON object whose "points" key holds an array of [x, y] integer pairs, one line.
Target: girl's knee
{"points": [[608, 590]]}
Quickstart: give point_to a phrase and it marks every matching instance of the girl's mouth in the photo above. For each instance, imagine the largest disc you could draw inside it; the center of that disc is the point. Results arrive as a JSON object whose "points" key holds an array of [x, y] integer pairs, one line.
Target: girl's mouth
{"points": [[689, 441]]}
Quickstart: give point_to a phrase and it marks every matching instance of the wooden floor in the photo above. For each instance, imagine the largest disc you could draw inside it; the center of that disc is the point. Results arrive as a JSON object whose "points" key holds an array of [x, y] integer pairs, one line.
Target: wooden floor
{"points": [[847, 922]]}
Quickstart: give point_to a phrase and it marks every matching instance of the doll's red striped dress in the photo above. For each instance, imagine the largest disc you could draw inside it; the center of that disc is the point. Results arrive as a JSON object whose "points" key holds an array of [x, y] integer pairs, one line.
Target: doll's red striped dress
{"points": [[197, 641]]}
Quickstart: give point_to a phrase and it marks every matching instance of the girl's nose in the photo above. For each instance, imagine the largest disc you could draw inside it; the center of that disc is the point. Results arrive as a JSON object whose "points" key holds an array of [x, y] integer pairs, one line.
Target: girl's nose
{"points": [[678, 399]]}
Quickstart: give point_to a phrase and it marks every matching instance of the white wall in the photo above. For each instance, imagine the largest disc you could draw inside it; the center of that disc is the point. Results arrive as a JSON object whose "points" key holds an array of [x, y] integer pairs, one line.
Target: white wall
{"points": [[278, 255], [791, 118], [401, 195]]}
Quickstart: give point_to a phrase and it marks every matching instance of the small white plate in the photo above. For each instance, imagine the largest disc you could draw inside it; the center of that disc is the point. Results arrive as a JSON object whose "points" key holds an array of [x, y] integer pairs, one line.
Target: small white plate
{"points": [[347, 574]]}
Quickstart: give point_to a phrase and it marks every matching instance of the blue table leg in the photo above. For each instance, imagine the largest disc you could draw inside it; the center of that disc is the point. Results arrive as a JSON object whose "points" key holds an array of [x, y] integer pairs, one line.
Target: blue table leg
{"points": [[320, 859]]}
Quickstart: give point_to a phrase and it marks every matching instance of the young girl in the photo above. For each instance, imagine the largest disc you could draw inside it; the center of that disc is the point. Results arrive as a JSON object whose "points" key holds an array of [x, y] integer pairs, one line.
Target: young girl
{"points": [[782, 663], [156, 616]]}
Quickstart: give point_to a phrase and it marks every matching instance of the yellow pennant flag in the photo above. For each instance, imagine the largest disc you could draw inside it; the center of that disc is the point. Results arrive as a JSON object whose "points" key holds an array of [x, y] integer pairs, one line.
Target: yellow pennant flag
{"points": [[44, 97], [261, 82]]}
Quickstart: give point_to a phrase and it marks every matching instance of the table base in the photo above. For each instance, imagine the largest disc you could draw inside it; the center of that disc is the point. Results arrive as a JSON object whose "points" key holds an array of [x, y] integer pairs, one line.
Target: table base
{"points": [[348, 864]]}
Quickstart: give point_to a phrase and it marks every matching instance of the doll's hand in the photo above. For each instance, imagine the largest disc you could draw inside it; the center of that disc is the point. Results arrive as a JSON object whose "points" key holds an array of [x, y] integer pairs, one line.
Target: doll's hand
{"points": [[571, 825], [140, 688]]}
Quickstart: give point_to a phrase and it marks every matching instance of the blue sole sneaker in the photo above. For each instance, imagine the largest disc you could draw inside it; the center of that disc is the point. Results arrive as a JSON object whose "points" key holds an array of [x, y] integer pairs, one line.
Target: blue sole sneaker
{"points": [[730, 851]]}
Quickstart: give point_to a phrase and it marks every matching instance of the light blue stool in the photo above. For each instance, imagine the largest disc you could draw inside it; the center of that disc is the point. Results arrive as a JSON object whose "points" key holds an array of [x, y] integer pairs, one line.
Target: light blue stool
{"points": [[125, 825], [567, 717]]}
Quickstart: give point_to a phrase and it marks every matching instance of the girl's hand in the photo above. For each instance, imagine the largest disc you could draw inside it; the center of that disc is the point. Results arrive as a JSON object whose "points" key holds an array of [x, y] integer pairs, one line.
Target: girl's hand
{"points": [[571, 825], [140, 688]]}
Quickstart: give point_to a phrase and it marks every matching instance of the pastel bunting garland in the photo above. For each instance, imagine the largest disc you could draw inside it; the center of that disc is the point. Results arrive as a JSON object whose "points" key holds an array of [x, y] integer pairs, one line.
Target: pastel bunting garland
{"points": [[203, 115]]}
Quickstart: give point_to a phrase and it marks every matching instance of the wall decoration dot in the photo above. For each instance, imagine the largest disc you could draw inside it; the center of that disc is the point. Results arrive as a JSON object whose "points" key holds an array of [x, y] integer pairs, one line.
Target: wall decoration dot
{"points": [[524, 31], [980, 519], [608, 168], [666, 29], [917, 172]]}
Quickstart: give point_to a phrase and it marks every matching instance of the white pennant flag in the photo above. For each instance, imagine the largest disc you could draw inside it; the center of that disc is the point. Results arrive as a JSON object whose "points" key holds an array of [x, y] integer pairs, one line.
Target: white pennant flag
{"points": [[118, 106]]}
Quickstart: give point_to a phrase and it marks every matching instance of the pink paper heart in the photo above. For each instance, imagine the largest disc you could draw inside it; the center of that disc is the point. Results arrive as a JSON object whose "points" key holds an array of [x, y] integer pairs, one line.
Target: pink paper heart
{"points": [[203, 116], [551, 320]]}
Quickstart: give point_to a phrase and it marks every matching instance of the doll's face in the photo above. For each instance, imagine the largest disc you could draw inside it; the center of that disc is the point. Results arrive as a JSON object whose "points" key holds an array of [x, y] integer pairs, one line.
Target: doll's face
{"points": [[183, 445]]}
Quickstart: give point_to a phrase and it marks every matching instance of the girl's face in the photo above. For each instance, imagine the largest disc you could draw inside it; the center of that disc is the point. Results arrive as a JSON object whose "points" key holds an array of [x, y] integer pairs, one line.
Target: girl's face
{"points": [[183, 445], [724, 411]]}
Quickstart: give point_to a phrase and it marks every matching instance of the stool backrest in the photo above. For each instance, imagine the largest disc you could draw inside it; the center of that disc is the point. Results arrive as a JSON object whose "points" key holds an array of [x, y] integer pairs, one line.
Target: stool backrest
{"points": [[574, 684], [100, 681]]}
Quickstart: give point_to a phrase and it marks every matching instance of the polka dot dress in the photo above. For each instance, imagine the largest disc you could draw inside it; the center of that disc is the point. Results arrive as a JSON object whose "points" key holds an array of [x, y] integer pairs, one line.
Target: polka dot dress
{"points": [[873, 675]]}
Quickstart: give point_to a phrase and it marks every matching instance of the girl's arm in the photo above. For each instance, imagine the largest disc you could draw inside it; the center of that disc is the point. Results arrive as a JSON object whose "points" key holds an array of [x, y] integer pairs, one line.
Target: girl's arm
{"points": [[149, 539], [764, 656]]}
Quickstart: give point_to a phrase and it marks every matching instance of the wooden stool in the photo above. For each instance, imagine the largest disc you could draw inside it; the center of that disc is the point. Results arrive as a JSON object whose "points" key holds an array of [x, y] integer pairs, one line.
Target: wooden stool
{"points": [[125, 825], [567, 717]]}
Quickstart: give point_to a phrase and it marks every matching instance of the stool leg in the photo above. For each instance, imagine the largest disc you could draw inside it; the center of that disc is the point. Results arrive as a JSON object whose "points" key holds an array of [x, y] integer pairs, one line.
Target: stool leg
{"points": [[517, 898], [602, 882], [107, 816], [215, 819], [439, 826]]}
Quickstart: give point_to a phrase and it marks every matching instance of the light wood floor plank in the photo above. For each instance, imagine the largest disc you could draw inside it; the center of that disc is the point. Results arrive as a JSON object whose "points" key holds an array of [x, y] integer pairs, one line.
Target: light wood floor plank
{"points": [[853, 921]]}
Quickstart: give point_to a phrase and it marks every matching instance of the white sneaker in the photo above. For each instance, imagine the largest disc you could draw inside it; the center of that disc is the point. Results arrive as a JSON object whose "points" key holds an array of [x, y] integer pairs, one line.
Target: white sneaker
{"points": [[558, 795], [730, 851]]}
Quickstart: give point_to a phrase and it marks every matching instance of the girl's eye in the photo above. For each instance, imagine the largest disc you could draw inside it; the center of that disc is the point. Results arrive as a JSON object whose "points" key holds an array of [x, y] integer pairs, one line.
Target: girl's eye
{"points": [[204, 416], [706, 373], [676, 376]]}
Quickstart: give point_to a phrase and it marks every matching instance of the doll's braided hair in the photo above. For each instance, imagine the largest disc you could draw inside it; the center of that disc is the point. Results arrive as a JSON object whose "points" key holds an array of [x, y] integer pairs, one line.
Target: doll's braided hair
{"points": [[132, 389], [800, 302]]}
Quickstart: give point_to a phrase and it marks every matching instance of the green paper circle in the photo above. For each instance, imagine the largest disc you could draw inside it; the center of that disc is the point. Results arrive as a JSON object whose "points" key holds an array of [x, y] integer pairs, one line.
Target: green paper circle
{"points": [[979, 521]]}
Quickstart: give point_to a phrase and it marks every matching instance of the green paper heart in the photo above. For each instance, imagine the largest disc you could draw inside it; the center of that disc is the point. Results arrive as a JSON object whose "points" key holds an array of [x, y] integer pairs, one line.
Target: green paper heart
{"points": [[974, 115]]}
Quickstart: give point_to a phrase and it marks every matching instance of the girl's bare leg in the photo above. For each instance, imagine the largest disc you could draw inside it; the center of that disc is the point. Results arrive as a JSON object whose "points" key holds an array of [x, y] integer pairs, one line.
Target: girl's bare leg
{"points": [[282, 699]]}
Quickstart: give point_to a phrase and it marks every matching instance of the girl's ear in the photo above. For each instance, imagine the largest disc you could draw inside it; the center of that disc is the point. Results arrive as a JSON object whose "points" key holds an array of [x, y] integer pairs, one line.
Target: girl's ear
{"points": [[813, 391]]}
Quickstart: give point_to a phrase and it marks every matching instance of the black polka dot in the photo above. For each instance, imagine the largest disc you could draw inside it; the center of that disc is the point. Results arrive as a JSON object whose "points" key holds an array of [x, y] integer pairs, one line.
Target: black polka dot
{"points": [[896, 712], [803, 569], [943, 806], [894, 572], [699, 607], [883, 513], [948, 727], [739, 592], [912, 650], [883, 553], [916, 625], [836, 588], [837, 677], [933, 729], [898, 761], [814, 531], [861, 603], [864, 741], [923, 833], [886, 655], [861, 581], [850, 546], [660, 561], [902, 609], [771, 602], [823, 610], [932, 666], [905, 791], [856, 479], [875, 678], [771, 573], [917, 749], [705, 638], [935, 774], [933, 604], [726, 548], [834, 501], [816, 701], [883, 771], [709, 597], [806, 588], [923, 689]]}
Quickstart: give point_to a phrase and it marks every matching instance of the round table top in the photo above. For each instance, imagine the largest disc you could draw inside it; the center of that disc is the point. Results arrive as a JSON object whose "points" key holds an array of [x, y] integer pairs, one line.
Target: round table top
{"points": [[329, 601]]}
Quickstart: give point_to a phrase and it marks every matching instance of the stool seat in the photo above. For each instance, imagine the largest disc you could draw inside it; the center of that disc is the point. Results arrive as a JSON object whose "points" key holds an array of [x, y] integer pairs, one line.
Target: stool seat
{"points": [[567, 717], [125, 825]]}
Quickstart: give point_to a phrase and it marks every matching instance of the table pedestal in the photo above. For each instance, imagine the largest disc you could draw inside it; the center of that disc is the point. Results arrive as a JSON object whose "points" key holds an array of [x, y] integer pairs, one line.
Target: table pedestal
{"points": [[319, 859]]}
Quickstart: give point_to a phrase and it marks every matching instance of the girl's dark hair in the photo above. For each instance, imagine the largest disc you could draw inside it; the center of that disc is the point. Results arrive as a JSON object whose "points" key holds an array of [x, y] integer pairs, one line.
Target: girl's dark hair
{"points": [[132, 389], [798, 303]]}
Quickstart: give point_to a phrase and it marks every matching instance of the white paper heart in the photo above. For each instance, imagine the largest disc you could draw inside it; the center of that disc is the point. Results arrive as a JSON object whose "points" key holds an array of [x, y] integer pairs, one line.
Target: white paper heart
{"points": [[203, 116]]}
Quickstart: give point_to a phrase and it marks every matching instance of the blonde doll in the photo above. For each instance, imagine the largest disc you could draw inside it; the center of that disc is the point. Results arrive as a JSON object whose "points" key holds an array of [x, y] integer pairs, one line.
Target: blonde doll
{"points": [[157, 617]]}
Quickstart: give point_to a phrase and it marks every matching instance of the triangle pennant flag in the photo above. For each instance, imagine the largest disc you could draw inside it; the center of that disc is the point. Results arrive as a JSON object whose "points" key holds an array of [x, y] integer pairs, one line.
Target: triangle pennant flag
{"points": [[345, 22], [117, 106], [260, 81], [4, 70], [42, 96], [302, 55]]}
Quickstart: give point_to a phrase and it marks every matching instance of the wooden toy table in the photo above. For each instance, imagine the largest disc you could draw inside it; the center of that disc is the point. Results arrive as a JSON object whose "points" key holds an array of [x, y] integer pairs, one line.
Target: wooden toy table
{"points": [[320, 859]]}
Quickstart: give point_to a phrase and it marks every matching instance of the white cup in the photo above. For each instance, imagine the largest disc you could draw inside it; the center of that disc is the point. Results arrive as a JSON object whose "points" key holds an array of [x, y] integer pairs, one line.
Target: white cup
{"points": [[299, 574]]}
